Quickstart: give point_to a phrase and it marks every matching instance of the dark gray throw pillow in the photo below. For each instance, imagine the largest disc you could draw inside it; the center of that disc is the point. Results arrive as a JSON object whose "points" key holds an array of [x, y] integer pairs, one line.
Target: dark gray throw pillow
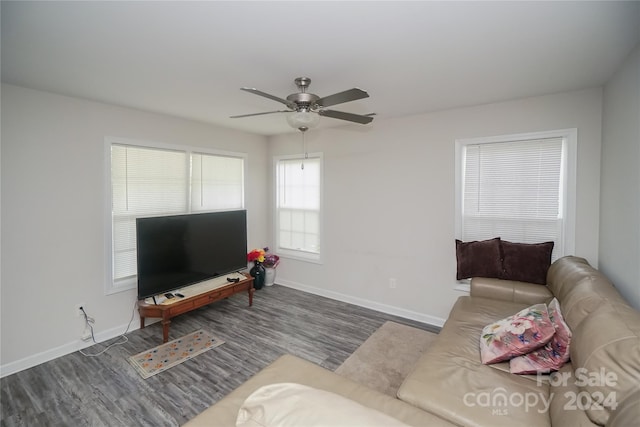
{"points": [[479, 259], [526, 262]]}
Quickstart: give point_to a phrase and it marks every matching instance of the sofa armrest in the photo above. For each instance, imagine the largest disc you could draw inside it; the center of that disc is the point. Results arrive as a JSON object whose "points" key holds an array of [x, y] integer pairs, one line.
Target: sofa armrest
{"points": [[510, 290], [290, 368]]}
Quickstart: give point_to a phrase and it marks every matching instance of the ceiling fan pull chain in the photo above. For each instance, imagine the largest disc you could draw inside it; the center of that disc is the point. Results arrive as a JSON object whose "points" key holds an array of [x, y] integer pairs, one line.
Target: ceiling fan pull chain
{"points": [[304, 150], [303, 130]]}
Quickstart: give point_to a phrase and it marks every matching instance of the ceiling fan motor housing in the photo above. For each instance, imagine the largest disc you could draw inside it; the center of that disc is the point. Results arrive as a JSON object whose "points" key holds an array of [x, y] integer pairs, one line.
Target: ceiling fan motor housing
{"points": [[302, 83], [304, 101]]}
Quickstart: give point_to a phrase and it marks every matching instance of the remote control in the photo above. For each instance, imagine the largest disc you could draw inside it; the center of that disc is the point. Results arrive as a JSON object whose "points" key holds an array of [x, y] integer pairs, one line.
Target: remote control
{"points": [[236, 280]]}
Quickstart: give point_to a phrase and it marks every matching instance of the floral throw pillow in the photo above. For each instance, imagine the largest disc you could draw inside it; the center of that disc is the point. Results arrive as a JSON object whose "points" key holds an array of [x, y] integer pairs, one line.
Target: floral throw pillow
{"points": [[516, 335], [553, 355]]}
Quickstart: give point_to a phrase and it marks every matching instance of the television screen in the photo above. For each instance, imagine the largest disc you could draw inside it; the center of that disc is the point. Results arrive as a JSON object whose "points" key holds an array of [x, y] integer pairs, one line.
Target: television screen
{"points": [[180, 250]]}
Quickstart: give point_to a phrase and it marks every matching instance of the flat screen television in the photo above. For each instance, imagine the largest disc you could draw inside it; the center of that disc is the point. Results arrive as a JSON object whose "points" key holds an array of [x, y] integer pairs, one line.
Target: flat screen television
{"points": [[180, 250]]}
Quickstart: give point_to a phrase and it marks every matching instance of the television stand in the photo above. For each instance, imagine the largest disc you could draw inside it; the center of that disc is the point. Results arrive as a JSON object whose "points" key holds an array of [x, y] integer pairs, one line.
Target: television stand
{"points": [[176, 306]]}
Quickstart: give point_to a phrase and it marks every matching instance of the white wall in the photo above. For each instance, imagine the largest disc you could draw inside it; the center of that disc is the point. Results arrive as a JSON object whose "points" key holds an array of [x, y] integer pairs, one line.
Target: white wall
{"points": [[620, 183], [389, 199], [53, 214]]}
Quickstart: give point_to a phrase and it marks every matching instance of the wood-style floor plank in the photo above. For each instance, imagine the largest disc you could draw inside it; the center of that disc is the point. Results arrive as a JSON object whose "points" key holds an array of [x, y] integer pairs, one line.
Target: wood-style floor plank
{"points": [[75, 390]]}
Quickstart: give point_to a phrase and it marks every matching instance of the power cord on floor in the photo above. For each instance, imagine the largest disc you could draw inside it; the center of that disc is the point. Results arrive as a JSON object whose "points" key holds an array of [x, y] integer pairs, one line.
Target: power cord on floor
{"points": [[89, 321]]}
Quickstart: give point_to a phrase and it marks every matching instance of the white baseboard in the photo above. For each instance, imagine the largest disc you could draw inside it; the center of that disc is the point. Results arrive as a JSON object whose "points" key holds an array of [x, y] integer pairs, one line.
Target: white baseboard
{"points": [[362, 302], [45, 356]]}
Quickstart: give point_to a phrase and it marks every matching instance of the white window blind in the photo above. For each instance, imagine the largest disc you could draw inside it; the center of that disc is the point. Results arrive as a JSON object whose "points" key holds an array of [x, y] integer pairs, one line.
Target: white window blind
{"points": [[144, 182], [150, 181], [298, 207], [217, 182], [514, 190]]}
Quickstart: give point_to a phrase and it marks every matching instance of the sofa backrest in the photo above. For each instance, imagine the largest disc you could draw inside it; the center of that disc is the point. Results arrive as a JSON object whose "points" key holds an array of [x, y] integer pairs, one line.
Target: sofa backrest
{"points": [[580, 288], [628, 412], [605, 347]]}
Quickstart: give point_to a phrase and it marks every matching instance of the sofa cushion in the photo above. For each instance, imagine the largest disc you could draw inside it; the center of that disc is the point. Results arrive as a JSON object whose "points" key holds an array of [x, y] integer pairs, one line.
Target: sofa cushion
{"points": [[517, 334], [605, 351], [293, 405], [450, 381], [553, 355], [563, 408], [510, 290], [526, 262], [478, 259]]}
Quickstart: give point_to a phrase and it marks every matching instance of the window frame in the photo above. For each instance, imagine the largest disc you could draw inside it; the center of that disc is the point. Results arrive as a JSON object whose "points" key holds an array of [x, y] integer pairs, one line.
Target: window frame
{"points": [[568, 179], [300, 255], [110, 285]]}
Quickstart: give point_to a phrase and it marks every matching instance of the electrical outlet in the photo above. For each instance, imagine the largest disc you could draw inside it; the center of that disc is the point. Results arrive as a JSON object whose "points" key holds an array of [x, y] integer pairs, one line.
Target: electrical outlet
{"points": [[77, 310], [393, 283]]}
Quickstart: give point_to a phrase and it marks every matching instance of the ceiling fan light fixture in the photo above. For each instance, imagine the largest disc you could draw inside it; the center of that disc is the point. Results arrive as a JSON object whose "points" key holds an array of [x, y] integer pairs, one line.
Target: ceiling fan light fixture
{"points": [[306, 119]]}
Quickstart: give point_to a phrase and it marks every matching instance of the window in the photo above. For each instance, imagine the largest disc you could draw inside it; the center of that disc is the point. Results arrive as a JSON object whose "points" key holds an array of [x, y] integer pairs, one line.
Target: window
{"points": [[518, 187], [298, 214], [216, 182], [148, 180]]}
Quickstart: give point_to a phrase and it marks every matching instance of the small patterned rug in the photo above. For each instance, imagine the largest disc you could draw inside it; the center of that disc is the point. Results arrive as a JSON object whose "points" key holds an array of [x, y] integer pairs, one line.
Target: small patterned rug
{"points": [[165, 356]]}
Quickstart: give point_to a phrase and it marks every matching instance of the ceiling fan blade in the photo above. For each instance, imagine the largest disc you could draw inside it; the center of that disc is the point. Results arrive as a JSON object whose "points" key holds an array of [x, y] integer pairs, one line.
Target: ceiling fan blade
{"points": [[340, 97], [259, 114], [272, 97], [357, 118]]}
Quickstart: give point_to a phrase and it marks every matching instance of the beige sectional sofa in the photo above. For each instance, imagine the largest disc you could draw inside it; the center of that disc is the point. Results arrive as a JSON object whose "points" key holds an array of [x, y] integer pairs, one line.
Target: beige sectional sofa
{"points": [[450, 386]]}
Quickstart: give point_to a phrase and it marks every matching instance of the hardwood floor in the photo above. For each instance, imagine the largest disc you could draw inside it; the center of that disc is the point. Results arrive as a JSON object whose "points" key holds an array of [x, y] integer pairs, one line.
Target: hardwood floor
{"points": [[75, 390]]}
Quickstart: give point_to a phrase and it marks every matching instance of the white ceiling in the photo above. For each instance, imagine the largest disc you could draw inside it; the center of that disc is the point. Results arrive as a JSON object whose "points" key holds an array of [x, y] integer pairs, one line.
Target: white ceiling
{"points": [[189, 59]]}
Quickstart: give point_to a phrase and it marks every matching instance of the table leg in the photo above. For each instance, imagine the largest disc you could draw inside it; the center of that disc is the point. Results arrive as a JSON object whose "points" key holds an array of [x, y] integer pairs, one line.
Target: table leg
{"points": [[251, 291], [165, 329]]}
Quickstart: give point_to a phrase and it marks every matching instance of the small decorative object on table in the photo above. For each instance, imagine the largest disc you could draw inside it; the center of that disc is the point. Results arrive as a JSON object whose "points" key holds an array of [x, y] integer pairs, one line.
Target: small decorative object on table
{"points": [[271, 261], [257, 271]]}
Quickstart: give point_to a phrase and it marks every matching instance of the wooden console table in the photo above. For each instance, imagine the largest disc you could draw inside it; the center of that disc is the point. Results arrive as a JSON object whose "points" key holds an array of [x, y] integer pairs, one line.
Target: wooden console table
{"points": [[179, 306]]}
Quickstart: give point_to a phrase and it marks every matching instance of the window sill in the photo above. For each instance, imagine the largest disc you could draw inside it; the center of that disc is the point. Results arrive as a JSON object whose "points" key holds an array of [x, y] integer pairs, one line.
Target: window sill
{"points": [[463, 286], [112, 288], [300, 256]]}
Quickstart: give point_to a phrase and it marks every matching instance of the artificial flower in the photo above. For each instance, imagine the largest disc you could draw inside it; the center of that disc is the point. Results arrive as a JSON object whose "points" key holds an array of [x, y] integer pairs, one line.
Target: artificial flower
{"points": [[270, 260], [256, 255]]}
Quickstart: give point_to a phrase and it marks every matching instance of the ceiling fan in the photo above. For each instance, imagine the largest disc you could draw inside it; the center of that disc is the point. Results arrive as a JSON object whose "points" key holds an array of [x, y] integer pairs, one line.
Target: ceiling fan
{"points": [[307, 107]]}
